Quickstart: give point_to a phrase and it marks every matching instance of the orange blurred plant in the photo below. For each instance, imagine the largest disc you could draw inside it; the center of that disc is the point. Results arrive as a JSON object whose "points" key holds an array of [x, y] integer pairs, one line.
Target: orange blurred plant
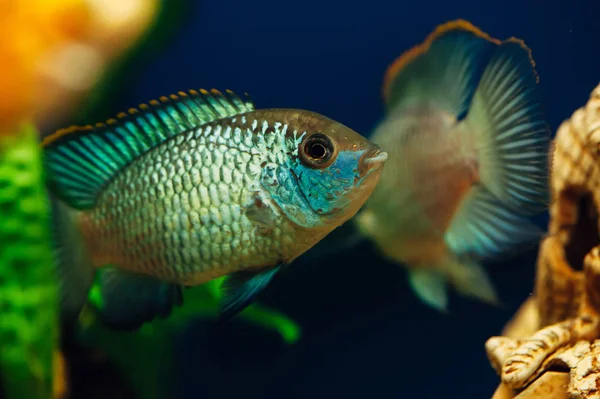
{"points": [[54, 51]]}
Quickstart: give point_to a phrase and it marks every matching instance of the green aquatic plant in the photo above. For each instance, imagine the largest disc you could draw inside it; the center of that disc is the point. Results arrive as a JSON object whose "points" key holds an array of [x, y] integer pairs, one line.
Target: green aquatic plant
{"points": [[143, 354], [28, 300]]}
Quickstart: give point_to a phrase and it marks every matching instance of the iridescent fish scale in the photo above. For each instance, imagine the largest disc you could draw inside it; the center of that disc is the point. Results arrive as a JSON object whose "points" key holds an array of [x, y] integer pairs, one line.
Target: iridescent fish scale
{"points": [[192, 225]]}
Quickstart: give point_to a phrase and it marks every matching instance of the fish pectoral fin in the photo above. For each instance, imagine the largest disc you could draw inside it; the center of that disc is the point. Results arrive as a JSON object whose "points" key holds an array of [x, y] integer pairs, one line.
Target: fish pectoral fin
{"points": [[430, 287], [129, 300], [240, 289]]}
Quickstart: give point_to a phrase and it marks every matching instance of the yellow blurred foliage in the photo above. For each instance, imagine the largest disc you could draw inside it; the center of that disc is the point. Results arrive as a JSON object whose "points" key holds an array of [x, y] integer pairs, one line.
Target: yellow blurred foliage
{"points": [[52, 51]]}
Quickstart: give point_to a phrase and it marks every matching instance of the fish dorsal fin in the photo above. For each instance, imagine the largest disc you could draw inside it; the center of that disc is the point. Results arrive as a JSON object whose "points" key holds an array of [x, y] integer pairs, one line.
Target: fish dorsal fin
{"points": [[81, 160], [443, 71]]}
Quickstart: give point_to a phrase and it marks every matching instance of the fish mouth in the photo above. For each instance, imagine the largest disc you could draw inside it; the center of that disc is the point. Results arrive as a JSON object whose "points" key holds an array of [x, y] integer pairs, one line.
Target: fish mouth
{"points": [[371, 161]]}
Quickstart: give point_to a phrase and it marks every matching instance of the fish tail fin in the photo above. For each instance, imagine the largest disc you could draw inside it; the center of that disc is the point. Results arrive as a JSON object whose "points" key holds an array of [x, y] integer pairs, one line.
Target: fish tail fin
{"points": [[75, 271], [507, 124]]}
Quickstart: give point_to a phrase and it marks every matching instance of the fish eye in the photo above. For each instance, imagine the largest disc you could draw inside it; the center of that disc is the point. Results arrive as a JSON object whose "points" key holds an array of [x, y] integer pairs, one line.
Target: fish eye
{"points": [[317, 151]]}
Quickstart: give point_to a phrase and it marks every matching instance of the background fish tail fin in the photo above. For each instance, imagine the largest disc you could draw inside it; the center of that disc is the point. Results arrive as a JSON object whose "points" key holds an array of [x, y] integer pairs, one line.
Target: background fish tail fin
{"points": [[508, 125], [75, 271], [442, 71]]}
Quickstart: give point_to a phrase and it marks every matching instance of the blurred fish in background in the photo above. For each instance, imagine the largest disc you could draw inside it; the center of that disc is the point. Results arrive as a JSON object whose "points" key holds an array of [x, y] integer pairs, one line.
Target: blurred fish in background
{"points": [[468, 145], [468, 151], [62, 60]]}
